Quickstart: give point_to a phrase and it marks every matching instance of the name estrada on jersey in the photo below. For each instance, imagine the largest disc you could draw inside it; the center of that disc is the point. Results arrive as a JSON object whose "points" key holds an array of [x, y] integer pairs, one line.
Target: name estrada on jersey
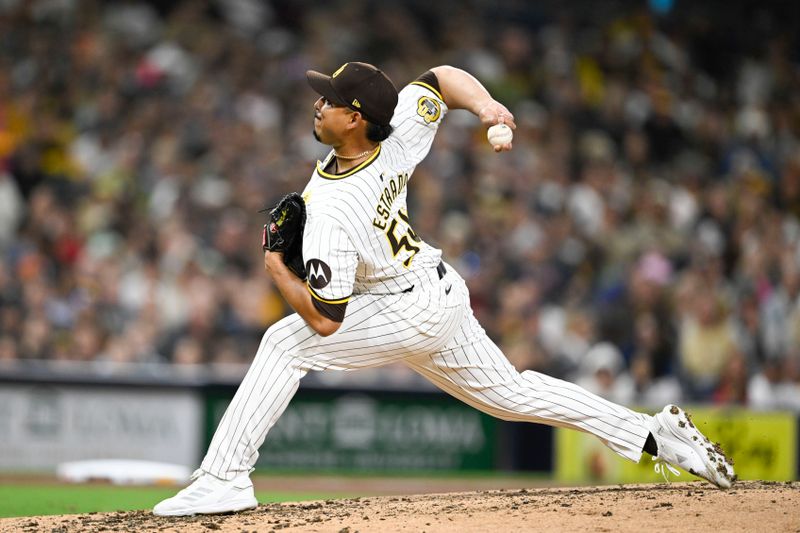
{"points": [[358, 237], [384, 207]]}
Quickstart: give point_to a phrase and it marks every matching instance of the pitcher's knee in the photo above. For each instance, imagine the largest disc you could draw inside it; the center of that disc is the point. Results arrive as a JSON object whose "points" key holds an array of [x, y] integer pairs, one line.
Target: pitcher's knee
{"points": [[270, 347], [282, 335], [499, 405], [270, 337]]}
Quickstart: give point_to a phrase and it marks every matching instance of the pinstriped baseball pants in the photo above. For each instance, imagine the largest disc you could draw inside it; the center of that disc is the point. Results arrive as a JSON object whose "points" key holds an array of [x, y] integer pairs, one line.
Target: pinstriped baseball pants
{"points": [[433, 331]]}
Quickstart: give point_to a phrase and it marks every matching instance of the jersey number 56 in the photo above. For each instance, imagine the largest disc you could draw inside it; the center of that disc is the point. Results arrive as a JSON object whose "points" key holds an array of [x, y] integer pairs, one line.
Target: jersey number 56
{"points": [[404, 240]]}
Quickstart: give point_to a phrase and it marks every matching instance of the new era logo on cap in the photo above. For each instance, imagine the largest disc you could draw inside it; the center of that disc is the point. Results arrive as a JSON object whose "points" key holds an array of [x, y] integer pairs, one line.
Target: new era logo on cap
{"points": [[359, 86]]}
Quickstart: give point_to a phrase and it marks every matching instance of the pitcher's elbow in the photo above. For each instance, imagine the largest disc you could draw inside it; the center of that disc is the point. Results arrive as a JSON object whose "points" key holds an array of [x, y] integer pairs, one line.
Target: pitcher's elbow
{"points": [[325, 327]]}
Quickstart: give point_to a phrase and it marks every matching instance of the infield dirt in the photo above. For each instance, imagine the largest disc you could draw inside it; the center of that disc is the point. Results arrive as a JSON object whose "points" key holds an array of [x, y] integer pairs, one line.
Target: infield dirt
{"points": [[685, 507]]}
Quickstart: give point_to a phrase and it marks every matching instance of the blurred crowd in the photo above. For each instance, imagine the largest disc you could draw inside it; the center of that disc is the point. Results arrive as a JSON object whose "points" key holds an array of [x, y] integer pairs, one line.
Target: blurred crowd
{"points": [[642, 238]]}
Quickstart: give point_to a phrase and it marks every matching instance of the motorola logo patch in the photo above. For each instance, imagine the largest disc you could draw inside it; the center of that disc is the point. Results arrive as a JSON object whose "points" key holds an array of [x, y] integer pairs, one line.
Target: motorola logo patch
{"points": [[319, 273]]}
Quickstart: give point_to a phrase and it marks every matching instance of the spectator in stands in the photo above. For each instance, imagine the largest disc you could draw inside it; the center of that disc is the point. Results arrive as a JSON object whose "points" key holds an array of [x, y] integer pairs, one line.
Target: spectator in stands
{"points": [[650, 391], [772, 387], [637, 316], [733, 383], [707, 342], [602, 372]]}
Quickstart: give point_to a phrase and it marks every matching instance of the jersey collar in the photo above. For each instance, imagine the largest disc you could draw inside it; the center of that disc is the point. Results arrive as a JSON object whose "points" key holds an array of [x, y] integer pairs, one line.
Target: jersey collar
{"points": [[329, 176]]}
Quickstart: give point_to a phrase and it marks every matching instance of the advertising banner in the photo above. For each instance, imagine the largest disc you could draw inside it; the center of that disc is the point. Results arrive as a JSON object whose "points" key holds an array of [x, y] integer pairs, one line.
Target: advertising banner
{"points": [[360, 431], [762, 445], [44, 425]]}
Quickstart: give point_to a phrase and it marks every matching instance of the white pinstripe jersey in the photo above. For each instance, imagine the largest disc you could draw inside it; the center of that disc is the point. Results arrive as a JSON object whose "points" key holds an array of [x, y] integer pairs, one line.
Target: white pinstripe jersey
{"points": [[358, 238]]}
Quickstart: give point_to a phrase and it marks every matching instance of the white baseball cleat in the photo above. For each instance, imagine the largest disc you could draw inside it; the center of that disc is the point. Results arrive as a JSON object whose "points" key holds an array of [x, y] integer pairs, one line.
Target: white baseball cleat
{"points": [[681, 444], [209, 495]]}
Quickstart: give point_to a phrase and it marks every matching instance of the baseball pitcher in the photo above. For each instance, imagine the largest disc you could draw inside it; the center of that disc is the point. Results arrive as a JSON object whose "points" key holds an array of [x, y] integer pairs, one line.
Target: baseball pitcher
{"points": [[368, 290]]}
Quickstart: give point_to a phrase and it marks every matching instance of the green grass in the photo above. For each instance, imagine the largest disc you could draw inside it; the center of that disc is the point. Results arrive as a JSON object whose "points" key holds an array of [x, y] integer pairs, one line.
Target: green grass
{"points": [[33, 500], [40, 496]]}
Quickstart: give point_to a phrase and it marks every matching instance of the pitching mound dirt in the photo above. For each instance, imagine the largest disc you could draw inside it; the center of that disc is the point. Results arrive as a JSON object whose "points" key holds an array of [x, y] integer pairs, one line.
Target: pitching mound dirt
{"points": [[685, 507]]}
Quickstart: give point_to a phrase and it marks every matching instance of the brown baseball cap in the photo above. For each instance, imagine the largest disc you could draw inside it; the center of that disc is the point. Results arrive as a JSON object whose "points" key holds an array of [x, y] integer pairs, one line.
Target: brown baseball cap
{"points": [[359, 86]]}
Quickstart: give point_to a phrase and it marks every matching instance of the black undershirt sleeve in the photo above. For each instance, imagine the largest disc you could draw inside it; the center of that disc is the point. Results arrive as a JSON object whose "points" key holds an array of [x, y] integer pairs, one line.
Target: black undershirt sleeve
{"points": [[430, 78], [331, 311]]}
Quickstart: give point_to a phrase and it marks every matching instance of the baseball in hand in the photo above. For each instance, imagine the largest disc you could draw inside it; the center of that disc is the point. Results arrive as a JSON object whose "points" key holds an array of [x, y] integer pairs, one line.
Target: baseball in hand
{"points": [[499, 134]]}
